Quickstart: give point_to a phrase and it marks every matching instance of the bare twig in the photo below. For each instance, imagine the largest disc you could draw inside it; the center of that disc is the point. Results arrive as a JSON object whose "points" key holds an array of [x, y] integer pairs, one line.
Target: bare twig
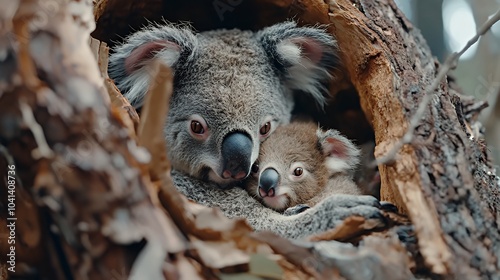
{"points": [[449, 64]]}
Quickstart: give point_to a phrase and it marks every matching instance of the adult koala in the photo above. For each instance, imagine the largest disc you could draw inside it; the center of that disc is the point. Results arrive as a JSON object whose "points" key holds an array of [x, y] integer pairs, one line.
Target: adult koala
{"points": [[232, 88]]}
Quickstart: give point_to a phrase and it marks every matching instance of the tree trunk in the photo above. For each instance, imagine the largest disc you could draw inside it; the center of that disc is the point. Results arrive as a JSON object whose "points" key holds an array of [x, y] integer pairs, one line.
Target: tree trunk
{"points": [[91, 204], [442, 179]]}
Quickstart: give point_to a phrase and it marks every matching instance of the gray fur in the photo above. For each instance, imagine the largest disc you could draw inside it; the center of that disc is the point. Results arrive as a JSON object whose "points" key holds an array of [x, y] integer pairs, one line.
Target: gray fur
{"points": [[235, 202], [235, 80]]}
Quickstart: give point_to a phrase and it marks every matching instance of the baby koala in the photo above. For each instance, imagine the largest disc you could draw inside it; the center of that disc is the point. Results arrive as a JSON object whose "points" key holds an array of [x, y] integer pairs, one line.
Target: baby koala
{"points": [[300, 164]]}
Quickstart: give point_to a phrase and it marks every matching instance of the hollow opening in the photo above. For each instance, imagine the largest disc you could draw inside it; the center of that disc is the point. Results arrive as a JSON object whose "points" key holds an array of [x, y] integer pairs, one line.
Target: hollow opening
{"points": [[343, 112]]}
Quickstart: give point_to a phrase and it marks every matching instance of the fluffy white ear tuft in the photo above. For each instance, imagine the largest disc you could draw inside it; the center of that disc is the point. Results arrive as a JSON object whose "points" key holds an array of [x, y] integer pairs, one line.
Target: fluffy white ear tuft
{"points": [[305, 72], [301, 51], [304, 55], [289, 51], [341, 154]]}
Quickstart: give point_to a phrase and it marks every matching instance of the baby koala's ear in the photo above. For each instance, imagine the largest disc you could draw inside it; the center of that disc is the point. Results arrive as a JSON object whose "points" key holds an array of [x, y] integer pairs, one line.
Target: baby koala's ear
{"points": [[341, 154]]}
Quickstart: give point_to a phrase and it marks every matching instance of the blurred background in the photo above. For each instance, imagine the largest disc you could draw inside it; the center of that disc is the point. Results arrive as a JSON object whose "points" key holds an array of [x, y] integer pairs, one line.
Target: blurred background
{"points": [[448, 25]]}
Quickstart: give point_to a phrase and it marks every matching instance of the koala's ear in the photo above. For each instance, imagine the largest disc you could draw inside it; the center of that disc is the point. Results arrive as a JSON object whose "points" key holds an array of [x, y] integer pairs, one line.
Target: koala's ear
{"points": [[129, 65], [304, 55], [167, 51], [341, 154]]}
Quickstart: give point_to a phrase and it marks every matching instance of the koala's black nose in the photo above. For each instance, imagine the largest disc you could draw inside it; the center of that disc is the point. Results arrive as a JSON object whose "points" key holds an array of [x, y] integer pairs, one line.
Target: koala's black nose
{"points": [[268, 181], [236, 155]]}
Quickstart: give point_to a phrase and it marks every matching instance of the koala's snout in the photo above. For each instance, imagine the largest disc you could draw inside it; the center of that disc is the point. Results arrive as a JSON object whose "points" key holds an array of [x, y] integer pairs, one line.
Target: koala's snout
{"points": [[236, 155], [268, 181]]}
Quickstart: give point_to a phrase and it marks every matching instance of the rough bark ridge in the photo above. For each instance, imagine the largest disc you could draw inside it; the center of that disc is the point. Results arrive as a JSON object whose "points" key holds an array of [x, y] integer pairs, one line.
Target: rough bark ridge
{"points": [[94, 191]]}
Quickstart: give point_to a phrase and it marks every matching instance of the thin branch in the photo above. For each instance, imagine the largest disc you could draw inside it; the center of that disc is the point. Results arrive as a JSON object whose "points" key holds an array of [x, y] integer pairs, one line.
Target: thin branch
{"points": [[443, 71]]}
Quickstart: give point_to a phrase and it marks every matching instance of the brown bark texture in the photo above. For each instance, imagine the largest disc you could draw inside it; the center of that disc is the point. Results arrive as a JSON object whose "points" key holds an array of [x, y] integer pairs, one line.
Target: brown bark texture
{"points": [[442, 179], [92, 203]]}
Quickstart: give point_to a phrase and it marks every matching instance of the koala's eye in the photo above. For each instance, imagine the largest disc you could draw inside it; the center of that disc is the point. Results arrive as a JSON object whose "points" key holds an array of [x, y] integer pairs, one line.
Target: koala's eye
{"points": [[298, 171], [264, 130], [255, 168], [197, 127]]}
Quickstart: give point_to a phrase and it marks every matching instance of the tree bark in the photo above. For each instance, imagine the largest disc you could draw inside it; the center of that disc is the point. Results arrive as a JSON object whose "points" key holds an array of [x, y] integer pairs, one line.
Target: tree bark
{"points": [[103, 210], [442, 179]]}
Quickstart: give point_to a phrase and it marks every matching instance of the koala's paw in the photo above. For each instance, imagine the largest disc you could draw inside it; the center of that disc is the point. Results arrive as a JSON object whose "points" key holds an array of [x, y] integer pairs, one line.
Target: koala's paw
{"points": [[296, 209], [367, 212], [343, 206], [330, 213]]}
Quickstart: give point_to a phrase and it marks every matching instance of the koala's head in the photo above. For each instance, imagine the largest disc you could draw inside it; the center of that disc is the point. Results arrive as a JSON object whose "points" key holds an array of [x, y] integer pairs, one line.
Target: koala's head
{"points": [[297, 162], [232, 88]]}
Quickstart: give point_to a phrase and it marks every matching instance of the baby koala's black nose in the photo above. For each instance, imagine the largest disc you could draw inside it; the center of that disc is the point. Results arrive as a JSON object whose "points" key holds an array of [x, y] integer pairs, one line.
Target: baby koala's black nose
{"points": [[268, 181]]}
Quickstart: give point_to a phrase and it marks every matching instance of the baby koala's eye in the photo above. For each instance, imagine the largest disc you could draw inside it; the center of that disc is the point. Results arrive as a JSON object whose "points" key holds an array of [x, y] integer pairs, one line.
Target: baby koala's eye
{"points": [[255, 168], [298, 171], [264, 130], [197, 127]]}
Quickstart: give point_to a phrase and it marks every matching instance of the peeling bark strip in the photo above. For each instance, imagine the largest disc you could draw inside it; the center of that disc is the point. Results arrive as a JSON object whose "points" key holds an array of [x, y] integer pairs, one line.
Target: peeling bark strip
{"points": [[129, 115]]}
